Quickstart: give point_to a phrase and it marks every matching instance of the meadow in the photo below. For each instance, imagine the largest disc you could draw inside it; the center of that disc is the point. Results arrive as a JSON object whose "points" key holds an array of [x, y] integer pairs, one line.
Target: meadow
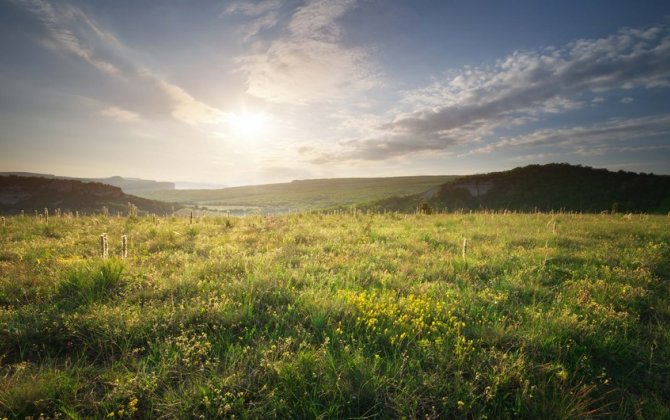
{"points": [[336, 315], [301, 195]]}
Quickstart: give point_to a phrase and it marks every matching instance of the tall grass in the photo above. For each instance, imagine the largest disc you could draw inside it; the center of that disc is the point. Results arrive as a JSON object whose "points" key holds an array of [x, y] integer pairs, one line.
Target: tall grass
{"points": [[347, 315], [90, 283]]}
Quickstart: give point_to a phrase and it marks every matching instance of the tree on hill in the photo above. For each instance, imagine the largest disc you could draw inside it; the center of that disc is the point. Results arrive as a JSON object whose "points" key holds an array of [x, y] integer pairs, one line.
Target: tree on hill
{"points": [[557, 186]]}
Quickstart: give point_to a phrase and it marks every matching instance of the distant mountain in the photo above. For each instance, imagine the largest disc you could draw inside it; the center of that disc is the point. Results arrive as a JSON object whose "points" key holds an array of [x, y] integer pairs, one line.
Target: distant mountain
{"points": [[35, 193], [135, 185], [186, 185], [554, 186], [128, 185]]}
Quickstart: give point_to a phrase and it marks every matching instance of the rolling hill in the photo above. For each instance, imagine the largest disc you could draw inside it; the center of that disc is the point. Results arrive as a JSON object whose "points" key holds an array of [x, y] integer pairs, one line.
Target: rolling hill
{"points": [[35, 193], [535, 187], [301, 195], [548, 187]]}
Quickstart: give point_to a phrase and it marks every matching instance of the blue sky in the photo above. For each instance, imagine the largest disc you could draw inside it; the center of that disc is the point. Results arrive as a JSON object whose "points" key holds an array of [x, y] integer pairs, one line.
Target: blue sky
{"points": [[241, 92]]}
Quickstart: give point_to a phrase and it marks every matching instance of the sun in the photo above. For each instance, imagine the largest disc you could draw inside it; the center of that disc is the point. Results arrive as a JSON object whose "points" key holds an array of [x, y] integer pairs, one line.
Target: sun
{"points": [[249, 124]]}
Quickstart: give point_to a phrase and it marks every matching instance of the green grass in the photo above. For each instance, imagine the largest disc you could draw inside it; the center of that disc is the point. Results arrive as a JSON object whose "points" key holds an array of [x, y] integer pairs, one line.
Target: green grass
{"points": [[300, 195], [313, 315]]}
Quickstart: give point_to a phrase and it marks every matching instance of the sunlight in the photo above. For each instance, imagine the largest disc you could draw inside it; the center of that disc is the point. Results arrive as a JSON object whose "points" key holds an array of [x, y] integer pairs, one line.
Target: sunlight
{"points": [[249, 124]]}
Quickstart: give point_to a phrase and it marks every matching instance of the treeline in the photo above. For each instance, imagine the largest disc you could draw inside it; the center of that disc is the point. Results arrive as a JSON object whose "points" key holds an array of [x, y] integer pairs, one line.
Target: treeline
{"points": [[549, 187]]}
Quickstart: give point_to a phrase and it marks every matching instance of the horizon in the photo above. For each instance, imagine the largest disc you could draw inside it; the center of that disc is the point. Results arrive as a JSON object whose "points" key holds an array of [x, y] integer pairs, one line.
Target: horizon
{"points": [[244, 93]]}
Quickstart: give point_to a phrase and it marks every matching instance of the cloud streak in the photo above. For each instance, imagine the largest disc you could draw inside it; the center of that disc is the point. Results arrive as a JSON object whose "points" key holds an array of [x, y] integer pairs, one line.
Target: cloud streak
{"points": [[582, 139], [119, 114], [471, 104], [70, 30], [262, 15], [56, 22]]}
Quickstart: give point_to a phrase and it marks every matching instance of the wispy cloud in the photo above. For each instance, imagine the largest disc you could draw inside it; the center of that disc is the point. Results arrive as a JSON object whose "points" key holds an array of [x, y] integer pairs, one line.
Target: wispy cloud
{"points": [[261, 15], [471, 104], [186, 108], [70, 30], [57, 21], [119, 114], [310, 63], [581, 139]]}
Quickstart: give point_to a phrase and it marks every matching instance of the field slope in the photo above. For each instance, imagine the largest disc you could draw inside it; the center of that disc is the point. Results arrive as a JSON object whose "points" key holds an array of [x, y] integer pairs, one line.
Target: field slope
{"points": [[337, 316], [302, 195]]}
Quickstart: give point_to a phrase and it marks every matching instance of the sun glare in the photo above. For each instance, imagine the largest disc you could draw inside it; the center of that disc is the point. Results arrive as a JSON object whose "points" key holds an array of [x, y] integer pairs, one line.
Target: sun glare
{"points": [[249, 124]]}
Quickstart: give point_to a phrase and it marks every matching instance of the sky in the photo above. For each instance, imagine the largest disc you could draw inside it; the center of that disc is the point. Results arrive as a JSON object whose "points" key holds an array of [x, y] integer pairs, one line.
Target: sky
{"points": [[251, 92]]}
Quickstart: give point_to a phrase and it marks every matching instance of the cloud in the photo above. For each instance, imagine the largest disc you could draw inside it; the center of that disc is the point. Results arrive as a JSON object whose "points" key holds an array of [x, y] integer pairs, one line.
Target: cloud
{"points": [[626, 100], [120, 114], [580, 139], [252, 8], [536, 157], [386, 146], [262, 15], [309, 63], [70, 30], [186, 108], [595, 139], [56, 21], [603, 150], [547, 80], [471, 104]]}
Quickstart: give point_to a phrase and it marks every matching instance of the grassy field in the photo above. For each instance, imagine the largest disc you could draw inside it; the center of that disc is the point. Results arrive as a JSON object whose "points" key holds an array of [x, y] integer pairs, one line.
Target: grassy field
{"points": [[302, 195], [310, 315]]}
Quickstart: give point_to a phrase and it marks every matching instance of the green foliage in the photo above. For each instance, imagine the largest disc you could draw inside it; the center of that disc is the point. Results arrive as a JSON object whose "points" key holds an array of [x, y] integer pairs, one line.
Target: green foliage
{"points": [[552, 187], [337, 316], [425, 208]]}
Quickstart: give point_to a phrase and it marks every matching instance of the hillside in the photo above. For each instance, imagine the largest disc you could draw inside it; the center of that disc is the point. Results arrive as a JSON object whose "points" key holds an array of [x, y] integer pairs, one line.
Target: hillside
{"points": [[32, 193], [301, 195], [127, 185], [545, 188]]}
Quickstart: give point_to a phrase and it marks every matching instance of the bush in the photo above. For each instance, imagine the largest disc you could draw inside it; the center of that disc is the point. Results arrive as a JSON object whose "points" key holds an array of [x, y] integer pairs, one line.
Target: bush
{"points": [[425, 208]]}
